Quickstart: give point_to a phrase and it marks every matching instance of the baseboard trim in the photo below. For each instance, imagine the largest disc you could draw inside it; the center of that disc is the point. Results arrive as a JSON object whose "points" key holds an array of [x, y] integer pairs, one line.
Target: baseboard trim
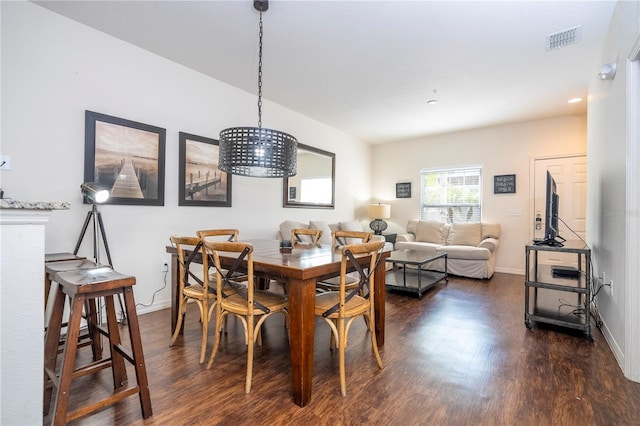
{"points": [[510, 271], [613, 345], [154, 307]]}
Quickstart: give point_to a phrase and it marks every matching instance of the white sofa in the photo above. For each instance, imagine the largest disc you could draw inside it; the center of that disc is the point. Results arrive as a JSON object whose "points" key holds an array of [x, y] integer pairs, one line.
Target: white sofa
{"points": [[471, 247]]}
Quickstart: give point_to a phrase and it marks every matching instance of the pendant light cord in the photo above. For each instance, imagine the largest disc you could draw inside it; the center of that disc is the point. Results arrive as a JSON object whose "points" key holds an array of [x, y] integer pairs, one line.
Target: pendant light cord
{"points": [[260, 76]]}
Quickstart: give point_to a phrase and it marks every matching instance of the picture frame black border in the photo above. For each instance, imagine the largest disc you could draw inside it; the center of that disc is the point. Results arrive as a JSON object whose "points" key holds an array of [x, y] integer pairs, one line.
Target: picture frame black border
{"points": [[403, 190], [510, 190], [91, 118], [182, 156]]}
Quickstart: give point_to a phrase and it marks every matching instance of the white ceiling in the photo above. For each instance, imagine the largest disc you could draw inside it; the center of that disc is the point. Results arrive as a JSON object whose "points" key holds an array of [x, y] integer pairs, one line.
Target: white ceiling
{"points": [[369, 67]]}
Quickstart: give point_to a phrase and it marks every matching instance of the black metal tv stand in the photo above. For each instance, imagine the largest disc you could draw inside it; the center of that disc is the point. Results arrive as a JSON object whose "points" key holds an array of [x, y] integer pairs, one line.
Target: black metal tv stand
{"points": [[562, 300]]}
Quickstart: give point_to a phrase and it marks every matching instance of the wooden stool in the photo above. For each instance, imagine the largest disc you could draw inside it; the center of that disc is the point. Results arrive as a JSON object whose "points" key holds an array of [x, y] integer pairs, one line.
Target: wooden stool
{"points": [[79, 286], [51, 268], [52, 258]]}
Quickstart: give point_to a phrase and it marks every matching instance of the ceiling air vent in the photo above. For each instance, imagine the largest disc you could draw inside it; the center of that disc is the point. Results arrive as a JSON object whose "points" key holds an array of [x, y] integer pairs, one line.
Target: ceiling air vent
{"points": [[564, 38]]}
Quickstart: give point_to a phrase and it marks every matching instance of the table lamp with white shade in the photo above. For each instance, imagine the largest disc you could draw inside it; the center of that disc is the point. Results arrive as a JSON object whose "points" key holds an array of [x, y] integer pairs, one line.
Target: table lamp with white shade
{"points": [[379, 212]]}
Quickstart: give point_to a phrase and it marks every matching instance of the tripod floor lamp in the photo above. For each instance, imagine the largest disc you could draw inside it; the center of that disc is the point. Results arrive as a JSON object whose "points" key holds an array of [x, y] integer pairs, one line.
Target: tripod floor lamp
{"points": [[95, 194]]}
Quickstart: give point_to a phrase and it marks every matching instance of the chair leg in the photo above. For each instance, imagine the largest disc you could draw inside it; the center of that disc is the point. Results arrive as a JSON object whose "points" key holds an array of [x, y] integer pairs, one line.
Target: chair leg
{"points": [[332, 342], [203, 340], [181, 312], [343, 344], [374, 343], [258, 335], [250, 343], [220, 318], [204, 318]]}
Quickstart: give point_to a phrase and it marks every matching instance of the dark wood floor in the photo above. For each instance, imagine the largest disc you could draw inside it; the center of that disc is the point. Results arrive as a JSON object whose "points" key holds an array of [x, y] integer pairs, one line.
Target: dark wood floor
{"points": [[459, 356]]}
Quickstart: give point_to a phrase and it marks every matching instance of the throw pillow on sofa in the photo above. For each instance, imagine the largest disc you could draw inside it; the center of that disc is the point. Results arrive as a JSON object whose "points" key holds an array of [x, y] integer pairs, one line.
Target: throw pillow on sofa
{"points": [[325, 238], [430, 232], [465, 234], [351, 225], [288, 225]]}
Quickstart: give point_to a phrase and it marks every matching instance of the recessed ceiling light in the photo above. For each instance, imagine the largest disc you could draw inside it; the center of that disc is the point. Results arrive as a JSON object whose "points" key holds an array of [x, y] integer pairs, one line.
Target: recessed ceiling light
{"points": [[574, 100], [432, 101]]}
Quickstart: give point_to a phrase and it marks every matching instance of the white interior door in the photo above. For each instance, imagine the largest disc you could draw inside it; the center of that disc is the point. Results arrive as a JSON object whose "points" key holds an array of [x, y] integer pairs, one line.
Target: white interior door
{"points": [[570, 174]]}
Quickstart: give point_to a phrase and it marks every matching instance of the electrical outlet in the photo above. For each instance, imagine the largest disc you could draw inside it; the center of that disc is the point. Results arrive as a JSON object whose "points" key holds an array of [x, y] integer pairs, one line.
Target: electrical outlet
{"points": [[165, 267]]}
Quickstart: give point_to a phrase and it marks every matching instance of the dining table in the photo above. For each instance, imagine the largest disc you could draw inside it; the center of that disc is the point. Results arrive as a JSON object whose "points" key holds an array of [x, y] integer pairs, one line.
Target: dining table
{"points": [[301, 269]]}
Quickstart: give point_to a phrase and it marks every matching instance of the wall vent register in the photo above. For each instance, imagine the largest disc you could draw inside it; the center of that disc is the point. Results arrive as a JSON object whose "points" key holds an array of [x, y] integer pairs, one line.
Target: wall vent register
{"points": [[564, 38]]}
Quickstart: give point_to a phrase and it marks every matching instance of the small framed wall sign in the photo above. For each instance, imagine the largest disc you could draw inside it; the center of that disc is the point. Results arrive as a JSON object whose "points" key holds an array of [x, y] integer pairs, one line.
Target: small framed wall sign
{"points": [[403, 190], [504, 184]]}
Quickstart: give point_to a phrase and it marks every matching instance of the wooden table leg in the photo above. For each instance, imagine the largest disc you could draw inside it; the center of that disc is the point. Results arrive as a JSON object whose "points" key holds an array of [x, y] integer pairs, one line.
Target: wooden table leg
{"points": [[379, 301], [175, 294], [302, 296]]}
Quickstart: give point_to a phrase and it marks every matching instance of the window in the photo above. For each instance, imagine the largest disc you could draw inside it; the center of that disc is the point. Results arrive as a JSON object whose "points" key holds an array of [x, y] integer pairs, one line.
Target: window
{"points": [[451, 195]]}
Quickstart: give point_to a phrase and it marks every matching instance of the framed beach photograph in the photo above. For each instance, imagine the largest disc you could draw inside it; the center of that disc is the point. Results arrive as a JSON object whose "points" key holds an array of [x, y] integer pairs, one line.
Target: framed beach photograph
{"points": [[125, 157], [200, 181]]}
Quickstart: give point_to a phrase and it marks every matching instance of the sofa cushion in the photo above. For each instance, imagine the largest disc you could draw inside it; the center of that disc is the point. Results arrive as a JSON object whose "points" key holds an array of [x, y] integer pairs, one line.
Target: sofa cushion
{"points": [[325, 238], [430, 232], [288, 225], [466, 234], [412, 227], [465, 252], [427, 248], [490, 230]]}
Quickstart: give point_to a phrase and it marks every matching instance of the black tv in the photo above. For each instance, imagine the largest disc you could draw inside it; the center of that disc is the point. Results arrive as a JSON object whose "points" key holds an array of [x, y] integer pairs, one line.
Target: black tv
{"points": [[552, 203]]}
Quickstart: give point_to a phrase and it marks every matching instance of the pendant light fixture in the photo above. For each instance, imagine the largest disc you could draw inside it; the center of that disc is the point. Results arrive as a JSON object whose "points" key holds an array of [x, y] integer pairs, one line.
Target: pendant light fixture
{"points": [[254, 151]]}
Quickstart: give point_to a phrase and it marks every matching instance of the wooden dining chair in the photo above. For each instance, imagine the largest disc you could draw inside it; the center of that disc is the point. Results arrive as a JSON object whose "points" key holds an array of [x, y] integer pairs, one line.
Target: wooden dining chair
{"points": [[193, 286], [340, 308], [301, 237], [219, 235], [339, 239], [251, 306], [305, 236]]}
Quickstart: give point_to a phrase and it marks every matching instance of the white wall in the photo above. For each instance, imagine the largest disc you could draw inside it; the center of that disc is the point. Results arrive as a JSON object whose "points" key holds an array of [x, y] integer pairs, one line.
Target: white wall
{"points": [[53, 69], [501, 150], [607, 163]]}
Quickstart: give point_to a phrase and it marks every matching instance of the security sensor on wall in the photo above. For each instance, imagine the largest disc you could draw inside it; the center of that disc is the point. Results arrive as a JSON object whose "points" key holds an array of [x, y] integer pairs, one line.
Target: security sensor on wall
{"points": [[607, 71]]}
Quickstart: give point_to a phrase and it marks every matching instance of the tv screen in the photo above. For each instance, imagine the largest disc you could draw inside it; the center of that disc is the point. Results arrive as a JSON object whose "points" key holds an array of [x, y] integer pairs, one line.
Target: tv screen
{"points": [[552, 203]]}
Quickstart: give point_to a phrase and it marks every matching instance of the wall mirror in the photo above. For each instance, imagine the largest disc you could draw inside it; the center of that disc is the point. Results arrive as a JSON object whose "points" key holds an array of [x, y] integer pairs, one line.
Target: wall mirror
{"points": [[314, 184]]}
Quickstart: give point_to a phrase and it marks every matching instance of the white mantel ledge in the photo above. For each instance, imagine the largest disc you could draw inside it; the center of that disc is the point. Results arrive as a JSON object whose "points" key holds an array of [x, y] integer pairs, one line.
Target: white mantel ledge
{"points": [[8, 203], [14, 212]]}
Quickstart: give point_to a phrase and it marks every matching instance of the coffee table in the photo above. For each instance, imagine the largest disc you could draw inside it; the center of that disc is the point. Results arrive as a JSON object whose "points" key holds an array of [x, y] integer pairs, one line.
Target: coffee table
{"points": [[414, 280]]}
